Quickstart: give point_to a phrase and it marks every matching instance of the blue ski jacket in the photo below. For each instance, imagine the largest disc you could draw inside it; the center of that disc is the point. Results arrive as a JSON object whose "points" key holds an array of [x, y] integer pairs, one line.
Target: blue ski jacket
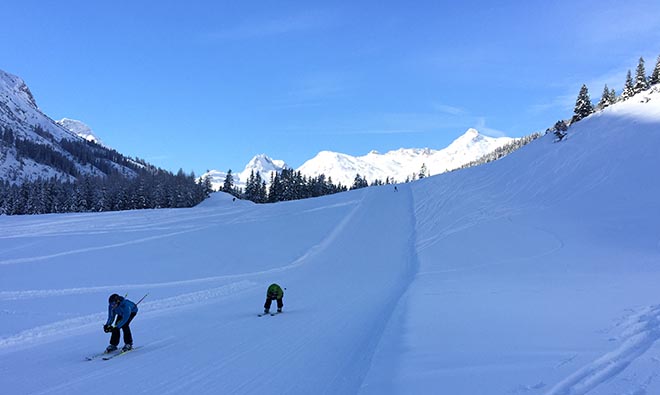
{"points": [[123, 310]]}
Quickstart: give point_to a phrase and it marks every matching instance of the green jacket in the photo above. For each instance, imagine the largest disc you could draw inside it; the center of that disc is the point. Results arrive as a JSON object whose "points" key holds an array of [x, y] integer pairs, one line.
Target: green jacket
{"points": [[274, 292]]}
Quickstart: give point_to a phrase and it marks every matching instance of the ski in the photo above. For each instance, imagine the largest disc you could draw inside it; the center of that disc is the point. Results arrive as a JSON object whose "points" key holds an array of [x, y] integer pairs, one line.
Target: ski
{"points": [[110, 356], [101, 354], [270, 314]]}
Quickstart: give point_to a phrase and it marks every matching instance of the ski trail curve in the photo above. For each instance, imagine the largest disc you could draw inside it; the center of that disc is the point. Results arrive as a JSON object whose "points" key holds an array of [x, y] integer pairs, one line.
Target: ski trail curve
{"points": [[643, 330], [312, 251]]}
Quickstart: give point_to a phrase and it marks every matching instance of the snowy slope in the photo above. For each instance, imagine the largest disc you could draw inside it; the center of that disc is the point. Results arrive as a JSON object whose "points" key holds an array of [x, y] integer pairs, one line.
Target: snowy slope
{"points": [[20, 114], [23, 122], [19, 111], [534, 274]]}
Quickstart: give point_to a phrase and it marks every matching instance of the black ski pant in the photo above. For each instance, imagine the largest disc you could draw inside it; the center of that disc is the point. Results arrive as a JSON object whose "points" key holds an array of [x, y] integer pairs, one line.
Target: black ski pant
{"points": [[280, 303], [128, 338]]}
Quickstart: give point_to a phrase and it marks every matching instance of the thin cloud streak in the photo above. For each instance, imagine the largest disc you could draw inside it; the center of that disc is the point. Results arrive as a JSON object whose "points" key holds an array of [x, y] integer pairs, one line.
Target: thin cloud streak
{"points": [[275, 27]]}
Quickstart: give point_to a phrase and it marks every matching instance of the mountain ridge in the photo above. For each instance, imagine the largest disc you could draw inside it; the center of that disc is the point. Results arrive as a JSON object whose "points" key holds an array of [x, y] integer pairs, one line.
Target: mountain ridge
{"points": [[396, 165]]}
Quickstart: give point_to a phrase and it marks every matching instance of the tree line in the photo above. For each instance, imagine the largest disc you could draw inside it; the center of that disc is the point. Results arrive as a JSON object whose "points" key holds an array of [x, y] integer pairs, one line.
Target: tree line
{"points": [[95, 194], [584, 106], [95, 178], [285, 185]]}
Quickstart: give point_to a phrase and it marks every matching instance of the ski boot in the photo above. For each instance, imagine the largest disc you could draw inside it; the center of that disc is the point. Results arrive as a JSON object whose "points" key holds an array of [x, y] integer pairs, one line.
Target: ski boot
{"points": [[127, 347], [110, 349]]}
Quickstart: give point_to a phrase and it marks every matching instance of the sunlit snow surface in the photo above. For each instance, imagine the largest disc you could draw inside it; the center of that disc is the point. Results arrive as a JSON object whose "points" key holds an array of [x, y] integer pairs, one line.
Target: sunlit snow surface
{"points": [[535, 274]]}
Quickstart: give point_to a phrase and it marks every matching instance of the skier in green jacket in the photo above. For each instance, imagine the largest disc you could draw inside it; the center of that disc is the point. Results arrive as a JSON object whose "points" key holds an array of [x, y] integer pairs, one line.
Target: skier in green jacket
{"points": [[274, 293]]}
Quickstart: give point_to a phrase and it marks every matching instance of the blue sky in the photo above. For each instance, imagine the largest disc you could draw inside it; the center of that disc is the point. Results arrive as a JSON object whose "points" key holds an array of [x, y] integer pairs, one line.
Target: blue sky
{"points": [[208, 84]]}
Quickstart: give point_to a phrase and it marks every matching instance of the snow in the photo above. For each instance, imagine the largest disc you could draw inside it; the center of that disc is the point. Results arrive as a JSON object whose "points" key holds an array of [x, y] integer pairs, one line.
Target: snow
{"points": [[80, 129], [19, 114], [403, 163], [534, 274], [397, 165]]}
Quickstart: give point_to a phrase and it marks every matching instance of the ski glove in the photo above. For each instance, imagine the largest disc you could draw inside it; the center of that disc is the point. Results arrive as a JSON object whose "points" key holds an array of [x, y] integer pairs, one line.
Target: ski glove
{"points": [[107, 328]]}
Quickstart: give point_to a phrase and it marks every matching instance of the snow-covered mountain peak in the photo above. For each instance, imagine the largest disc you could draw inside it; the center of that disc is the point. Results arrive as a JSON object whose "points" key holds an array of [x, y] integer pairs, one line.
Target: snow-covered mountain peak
{"points": [[261, 164], [473, 141], [16, 86], [471, 136], [79, 128]]}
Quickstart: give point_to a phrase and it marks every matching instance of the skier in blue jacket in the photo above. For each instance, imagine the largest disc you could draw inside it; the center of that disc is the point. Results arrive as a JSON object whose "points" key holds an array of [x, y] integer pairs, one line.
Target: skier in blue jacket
{"points": [[124, 310]]}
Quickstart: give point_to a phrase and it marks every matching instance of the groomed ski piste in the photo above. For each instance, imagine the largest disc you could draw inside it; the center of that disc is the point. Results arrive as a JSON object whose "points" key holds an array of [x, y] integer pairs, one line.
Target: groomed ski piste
{"points": [[535, 274]]}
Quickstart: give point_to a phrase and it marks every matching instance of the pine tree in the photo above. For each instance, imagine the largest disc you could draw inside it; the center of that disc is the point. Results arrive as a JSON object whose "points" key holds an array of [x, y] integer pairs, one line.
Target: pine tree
{"points": [[583, 106], [207, 185], [359, 182], [641, 84], [275, 191], [228, 185], [423, 172], [655, 76], [613, 96], [560, 129], [606, 98], [628, 89]]}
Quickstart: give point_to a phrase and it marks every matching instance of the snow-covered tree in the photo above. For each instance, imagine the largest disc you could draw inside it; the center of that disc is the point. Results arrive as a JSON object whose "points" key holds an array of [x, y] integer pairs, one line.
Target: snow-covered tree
{"points": [[583, 106], [628, 88], [423, 172], [606, 98], [641, 84], [655, 76]]}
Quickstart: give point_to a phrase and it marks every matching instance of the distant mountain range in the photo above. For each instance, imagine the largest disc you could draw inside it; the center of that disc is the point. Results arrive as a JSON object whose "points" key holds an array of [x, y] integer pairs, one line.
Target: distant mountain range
{"points": [[33, 146], [397, 166]]}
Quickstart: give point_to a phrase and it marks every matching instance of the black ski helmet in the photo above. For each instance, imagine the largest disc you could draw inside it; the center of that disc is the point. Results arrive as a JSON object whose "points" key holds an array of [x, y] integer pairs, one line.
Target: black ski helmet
{"points": [[114, 298]]}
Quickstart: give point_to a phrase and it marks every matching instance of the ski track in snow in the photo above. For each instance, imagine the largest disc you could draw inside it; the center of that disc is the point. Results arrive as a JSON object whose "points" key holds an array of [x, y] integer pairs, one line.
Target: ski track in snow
{"points": [[641, 332], [42, 293], [91, 321], [97, 248]]}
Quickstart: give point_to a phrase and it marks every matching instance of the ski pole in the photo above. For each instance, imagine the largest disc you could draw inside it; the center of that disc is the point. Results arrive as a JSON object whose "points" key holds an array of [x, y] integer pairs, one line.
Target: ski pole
{"points": [[145, 295]]}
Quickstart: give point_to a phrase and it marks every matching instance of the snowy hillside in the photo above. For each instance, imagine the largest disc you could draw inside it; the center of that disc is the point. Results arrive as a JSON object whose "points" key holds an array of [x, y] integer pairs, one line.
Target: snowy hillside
{"points": [[19, 114], [534, 274], [33, 146]]}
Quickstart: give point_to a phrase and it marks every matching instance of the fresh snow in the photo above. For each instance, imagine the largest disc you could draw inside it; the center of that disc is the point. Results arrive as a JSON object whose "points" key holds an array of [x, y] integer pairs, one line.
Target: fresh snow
{"points": [[534, 274]]}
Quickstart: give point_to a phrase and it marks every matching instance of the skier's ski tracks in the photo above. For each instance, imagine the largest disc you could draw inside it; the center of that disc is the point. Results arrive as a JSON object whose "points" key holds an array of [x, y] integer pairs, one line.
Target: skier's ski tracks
{"points": [[642, 331]]}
